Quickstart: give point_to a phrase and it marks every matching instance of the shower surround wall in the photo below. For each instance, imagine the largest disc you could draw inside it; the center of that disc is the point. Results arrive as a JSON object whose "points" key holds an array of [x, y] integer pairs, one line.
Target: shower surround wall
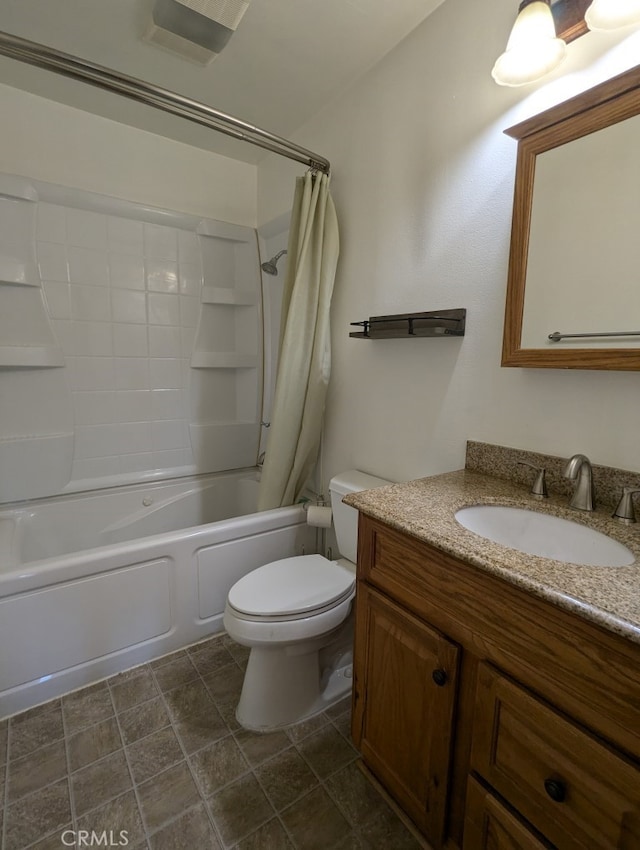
{"points": [[156, 320]]}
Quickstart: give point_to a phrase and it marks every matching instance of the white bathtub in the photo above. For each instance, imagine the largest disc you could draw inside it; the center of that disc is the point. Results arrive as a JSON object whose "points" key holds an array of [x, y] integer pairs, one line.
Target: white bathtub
{"points": [[97, 582]]}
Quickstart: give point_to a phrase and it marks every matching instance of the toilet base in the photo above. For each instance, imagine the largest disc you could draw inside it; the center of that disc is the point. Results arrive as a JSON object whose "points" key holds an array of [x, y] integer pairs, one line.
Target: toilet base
{"points": [[285, 685]]}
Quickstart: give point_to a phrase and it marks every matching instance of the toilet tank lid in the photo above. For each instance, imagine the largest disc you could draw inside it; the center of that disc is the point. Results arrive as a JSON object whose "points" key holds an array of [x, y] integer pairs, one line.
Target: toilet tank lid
{"points": [[352, 481], [297, 585]]}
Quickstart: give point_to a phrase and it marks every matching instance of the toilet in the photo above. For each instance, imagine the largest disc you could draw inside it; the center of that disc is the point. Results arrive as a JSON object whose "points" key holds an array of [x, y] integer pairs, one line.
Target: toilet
{"points": [[296, 616]]}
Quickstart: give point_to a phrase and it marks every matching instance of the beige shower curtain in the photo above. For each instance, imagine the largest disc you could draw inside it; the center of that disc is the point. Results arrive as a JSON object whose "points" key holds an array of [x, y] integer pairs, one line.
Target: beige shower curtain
{"points": [[304, 362]]}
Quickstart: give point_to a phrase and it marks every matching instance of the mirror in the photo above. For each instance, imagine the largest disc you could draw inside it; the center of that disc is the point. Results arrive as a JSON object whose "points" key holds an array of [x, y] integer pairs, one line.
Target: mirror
{"points": [[573, 293]]}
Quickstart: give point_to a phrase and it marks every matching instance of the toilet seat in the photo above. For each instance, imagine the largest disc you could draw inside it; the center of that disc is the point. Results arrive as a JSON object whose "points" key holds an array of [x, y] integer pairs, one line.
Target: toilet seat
{"points": [[292, 588]]}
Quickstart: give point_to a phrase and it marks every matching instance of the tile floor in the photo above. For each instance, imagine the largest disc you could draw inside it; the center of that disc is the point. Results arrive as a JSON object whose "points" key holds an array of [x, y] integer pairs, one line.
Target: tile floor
{"points": [[156, 751]]}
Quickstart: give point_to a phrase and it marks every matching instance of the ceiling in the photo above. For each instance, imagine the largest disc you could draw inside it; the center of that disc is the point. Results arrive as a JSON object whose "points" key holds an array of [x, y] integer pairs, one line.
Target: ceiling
{"points": [[285, 62]]}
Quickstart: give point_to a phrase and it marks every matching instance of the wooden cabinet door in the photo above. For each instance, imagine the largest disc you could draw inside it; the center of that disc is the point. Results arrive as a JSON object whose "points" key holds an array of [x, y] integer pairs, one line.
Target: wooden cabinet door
{"points": [[488, 825], [404, 697]]}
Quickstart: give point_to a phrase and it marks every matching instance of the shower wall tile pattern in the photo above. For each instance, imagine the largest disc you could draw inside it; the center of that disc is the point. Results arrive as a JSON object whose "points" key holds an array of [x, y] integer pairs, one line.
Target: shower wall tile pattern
{"points": [[124, 299]]}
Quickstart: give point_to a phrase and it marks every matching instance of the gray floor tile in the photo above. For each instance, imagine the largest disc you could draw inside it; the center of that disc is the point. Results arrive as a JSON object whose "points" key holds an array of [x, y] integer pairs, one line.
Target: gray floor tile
{"points": [[39, 768], [285, 778], [167, 659], [200, 730], [343, 725], [33, 817], [175, 673], [259, 747], [144, 719], [326, 751], [228, 714], [95, 785], [117, 816], [239, 809], [315, 823], [218, 765], [239, 653], [189, 699], [35, 729], [185, 702], [352, 841], [167, 796], [355, 795], [133, 690], [37, 710], [271, 836], [387, 830], [342, 706], [214, 640], [191, 831], [307, 727], [225, 684], [94, 743], [54, 841], [87, 707], [154, 754], [210, 657]]}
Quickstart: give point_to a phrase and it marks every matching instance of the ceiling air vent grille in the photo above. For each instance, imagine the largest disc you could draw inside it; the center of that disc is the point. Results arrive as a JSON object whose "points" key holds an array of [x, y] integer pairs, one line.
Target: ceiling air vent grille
{"points": [[226, 12], [195, 29]]}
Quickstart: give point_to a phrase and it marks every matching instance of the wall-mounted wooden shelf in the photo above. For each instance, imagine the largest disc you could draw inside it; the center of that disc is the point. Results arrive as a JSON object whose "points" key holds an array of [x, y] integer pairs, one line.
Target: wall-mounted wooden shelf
{"points": [[431, 324]]}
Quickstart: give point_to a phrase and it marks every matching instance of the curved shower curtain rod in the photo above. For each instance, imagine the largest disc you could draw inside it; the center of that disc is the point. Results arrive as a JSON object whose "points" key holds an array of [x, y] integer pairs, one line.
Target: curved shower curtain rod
{"points": [[192, 110]]}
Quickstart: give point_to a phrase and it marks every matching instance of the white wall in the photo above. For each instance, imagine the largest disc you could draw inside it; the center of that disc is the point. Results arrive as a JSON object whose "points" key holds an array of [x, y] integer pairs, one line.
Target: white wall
{"points": [[47, 141], [423, 182]]}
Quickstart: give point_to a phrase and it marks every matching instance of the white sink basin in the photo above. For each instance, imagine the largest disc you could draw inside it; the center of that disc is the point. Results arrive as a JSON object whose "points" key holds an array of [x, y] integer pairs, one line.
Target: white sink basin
{"points": [[544, 535]]}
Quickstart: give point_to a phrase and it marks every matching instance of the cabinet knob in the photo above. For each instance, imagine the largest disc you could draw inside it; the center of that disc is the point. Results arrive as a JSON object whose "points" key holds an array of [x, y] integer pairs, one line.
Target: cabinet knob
{"points": [[439, 677], [555, 789]]}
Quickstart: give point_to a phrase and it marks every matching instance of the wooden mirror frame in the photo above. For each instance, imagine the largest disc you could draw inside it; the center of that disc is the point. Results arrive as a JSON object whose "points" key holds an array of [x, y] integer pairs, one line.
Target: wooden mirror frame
{"points": [[606, 104]]}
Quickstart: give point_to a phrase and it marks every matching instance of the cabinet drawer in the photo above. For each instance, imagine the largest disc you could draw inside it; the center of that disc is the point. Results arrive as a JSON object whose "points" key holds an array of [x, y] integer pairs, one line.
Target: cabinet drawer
{"points": [[574, 789], [488, 825]]}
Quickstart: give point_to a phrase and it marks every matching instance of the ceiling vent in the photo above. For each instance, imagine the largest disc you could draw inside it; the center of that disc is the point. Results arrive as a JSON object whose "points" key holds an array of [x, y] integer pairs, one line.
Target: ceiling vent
{"points": [[197, 30]]}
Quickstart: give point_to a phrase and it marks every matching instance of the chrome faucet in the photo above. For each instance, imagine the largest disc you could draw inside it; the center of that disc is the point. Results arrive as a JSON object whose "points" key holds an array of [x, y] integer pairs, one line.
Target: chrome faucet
{"points": [[584, 497], [624, 511]]}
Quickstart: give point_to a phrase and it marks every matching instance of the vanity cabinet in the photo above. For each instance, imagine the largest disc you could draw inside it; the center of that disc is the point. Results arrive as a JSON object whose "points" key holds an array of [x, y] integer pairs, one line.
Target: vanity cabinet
{"points": [[493, 717], [410, 673]]}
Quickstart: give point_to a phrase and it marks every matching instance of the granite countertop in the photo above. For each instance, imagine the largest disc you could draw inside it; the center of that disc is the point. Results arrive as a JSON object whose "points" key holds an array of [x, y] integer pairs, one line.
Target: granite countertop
{"points": [[425, 509]]}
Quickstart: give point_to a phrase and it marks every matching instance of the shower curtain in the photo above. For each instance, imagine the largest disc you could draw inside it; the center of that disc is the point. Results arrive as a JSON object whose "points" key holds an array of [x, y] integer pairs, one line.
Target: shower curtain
{"points": [[304, 363]]}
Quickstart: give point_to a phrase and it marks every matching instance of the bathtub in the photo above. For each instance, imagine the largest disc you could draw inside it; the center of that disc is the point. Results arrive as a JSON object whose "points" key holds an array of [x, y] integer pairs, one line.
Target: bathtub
{"points": [[97, 582]]}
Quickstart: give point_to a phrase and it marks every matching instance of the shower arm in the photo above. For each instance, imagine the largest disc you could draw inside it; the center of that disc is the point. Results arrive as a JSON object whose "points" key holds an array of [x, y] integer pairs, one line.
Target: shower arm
{"points": [[54, 60]]}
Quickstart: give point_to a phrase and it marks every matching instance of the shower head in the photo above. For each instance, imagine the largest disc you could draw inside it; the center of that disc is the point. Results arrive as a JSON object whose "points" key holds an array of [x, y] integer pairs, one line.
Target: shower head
{"points": [[271, 266]]}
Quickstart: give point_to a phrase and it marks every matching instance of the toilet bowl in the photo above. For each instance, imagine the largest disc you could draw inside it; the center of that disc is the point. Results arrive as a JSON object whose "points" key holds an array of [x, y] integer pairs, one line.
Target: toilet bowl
{"points": [[296, 616]]}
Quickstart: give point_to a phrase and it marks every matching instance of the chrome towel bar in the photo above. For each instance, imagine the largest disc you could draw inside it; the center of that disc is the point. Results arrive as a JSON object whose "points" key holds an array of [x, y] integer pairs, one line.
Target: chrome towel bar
{"points": [[556, 336]]}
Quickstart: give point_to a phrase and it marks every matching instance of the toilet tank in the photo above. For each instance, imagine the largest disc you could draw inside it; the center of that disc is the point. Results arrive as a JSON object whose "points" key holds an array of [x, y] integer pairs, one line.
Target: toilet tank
{"points": [[345, 518]]}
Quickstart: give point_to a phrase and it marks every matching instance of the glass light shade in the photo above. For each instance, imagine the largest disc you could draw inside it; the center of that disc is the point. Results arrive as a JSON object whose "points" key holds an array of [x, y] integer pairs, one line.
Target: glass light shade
{"points": [[611, 14], [532, 50]]}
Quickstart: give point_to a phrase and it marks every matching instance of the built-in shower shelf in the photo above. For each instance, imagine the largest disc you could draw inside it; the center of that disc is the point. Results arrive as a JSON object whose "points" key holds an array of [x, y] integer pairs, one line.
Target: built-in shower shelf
{"points": [[222, 360], [404, 325], [226, 295], [30, 356], [15, 277]]}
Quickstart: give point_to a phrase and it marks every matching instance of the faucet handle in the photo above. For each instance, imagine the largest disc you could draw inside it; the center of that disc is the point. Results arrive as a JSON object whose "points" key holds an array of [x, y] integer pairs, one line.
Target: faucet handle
{"points": [[624, 511], [539, 486]]}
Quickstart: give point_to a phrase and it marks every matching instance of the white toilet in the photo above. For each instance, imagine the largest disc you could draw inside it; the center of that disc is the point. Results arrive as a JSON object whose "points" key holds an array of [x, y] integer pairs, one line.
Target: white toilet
{"points": [[296, 615]]}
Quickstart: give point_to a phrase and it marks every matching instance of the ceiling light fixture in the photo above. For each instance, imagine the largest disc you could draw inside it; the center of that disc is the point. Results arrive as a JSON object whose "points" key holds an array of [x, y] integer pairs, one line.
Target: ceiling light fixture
{"points": [[612, 14], [533, 49]]}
